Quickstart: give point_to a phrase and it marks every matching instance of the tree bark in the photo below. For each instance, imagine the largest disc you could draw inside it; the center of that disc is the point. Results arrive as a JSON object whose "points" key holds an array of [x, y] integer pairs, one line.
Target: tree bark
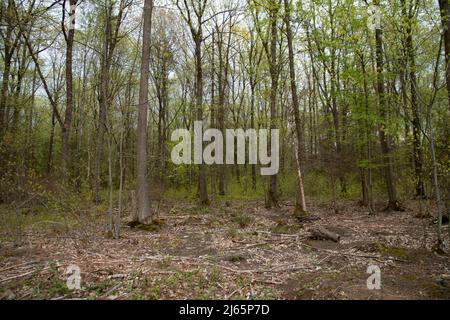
{"points": [[384, 138], [322, 233], [65, 130], [444, 6], [103, 106], [272, 194], [202, 187], [300, 199], [417, 140], [9, 48], [112, 26], [142, 192]]}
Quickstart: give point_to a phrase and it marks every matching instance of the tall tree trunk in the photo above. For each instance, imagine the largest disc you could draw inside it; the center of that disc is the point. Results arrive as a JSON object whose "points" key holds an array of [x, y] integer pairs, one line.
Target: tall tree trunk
{"points": [[65, 130], [384, 138], [9, 48], [368, 132], [21, 70], [444, 6], [112, 25], [30, 143], [213, 168], [142, 192], [222, 79], [272, 194], [103, 106], [300, 199], [202, 187], [417, 141]]}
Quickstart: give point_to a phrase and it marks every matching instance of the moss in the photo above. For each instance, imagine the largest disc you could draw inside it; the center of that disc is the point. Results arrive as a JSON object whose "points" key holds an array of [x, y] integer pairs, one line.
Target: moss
{"points": [[396, 252], [149, 227], [109, 234], [158, 221]]}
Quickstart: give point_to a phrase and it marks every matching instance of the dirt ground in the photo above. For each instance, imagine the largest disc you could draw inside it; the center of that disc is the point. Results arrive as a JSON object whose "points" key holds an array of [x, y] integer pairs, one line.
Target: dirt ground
{"points": [[231, 250]]}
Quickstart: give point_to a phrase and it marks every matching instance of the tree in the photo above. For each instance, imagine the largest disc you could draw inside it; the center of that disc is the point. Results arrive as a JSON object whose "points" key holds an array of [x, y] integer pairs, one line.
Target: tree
{"points": [[195, 21], [301, 202], [143, 200], [253, 68], [409, 15], [269, 40], [69, 38], [112, 24], [382, 127], [444, 6], [10, 44]]}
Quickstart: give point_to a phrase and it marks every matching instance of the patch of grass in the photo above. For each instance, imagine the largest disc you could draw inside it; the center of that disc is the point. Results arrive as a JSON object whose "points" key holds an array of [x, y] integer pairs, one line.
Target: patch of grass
{"points": [[184, 277], [214, 275], [188, 193], [243, 281], [46, 287], [242, 220], [243, 190], [232, 233], [42, 220], [99, 288]]}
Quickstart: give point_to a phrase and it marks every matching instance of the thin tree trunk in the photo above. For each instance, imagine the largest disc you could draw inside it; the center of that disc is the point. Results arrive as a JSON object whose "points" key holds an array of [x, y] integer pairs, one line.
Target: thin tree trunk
{"points": [[417, 141], [252, 124], [213, 168], [300, 199], [272, 195], [103, 106], [384, 138], [50, 145], [368, 125], [111, 230], [121, 180], [222, 81], [202, 187]]}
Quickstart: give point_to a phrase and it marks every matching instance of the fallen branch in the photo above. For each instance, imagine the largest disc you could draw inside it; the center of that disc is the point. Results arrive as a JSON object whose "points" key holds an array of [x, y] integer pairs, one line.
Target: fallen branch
{"points": [[322, 233], [107, 293], [17, 265], [23, 275]]}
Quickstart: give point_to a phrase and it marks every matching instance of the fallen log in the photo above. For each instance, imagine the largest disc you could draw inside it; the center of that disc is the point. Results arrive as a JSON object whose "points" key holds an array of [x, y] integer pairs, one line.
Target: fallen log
{"points": [[321, 233]]}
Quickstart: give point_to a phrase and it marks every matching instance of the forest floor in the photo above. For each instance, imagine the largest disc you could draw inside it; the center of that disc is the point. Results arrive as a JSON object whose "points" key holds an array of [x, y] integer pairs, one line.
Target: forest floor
{"points": [[230, 250]]}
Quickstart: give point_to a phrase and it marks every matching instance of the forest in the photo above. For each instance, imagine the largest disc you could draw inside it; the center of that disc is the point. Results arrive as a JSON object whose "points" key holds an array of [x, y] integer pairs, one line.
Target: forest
{"points": [[229, 150]]}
